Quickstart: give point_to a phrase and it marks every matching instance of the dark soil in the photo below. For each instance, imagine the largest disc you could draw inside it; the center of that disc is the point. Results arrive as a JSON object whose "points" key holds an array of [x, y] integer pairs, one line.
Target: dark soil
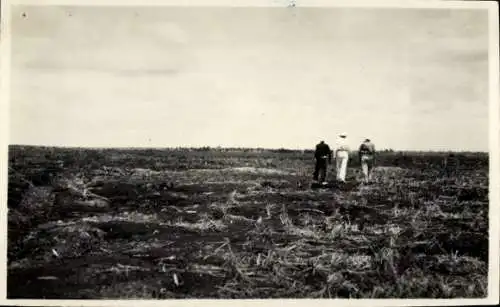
{"points": [[211, 224]]}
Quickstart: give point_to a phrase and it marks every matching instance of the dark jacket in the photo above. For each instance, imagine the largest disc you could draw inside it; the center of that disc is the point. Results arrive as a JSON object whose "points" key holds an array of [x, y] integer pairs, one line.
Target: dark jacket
{"points": [[367, 149], [323, 150]]}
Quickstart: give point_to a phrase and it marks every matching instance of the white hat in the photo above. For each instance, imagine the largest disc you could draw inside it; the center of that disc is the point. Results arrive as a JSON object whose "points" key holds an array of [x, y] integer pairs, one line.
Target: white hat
{"points": [[343, 134]]}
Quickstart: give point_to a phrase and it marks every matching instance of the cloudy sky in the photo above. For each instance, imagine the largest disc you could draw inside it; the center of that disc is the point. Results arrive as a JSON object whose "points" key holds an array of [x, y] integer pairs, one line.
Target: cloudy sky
{"points": [[252, 77]]}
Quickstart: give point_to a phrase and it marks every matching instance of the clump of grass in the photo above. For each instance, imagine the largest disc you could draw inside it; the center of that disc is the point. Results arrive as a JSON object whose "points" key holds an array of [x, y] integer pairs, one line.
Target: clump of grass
{"points": [[269, 210], [128, 216], [205, 223]]}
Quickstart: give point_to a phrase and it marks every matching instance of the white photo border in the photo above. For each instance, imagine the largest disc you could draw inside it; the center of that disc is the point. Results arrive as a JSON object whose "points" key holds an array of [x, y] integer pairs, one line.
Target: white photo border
{"points": [[494, 154]]}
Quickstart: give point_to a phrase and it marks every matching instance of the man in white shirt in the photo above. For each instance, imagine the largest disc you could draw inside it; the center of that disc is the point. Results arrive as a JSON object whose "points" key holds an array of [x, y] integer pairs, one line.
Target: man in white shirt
{"points": [[341, 156]]}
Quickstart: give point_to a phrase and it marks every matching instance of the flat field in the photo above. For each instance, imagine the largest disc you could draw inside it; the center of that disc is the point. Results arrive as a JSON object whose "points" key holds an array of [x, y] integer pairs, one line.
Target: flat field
{"points": [[130, 223]]}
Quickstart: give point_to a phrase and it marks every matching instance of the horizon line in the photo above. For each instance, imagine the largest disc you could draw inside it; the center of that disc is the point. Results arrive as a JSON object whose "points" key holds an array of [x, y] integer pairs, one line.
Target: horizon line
{"points": [[206, 147]]}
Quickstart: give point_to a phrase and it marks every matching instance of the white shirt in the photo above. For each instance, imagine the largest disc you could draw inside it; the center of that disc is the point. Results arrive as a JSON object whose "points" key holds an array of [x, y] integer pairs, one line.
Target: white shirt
{"points": [[341, 146]]}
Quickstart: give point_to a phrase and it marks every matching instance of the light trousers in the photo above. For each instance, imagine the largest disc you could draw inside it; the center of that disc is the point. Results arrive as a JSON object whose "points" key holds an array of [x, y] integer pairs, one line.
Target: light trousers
{"points": [[366, 167], [341, 162]]}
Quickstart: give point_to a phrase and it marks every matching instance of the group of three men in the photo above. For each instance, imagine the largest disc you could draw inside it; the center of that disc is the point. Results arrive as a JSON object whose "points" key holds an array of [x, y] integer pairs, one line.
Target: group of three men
{"points": [[323, 155]]}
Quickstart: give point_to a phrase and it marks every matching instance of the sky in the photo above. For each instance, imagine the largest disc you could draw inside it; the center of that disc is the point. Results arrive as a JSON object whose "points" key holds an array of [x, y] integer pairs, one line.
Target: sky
{"points": [[408, 79]]}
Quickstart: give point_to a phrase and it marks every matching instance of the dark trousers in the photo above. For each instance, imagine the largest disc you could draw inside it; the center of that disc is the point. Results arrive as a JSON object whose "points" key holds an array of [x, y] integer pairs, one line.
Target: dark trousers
{"points": [[320, 170]]}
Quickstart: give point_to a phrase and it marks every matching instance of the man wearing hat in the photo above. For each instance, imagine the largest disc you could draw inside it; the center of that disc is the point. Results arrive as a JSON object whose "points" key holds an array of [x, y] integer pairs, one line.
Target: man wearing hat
{"points": [[341, 156], [323, 155], [367, 158]]}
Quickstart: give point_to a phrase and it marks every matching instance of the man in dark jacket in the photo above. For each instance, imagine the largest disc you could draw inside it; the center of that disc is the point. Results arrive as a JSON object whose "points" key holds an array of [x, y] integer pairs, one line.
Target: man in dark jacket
{"points": [[323, 155]]}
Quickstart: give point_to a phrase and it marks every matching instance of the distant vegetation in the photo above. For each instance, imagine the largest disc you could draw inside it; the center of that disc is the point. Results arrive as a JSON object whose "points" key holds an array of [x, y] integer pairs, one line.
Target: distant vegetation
{"points": [[214, 157]]}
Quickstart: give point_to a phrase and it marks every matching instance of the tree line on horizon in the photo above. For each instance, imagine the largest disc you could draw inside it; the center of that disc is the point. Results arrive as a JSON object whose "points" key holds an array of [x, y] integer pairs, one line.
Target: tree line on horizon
{"points": [[230, 149]]}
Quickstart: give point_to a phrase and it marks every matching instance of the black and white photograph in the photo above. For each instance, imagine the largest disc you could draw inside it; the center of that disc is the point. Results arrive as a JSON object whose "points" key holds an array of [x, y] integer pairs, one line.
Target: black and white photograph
{"points": [[281, 151]]}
